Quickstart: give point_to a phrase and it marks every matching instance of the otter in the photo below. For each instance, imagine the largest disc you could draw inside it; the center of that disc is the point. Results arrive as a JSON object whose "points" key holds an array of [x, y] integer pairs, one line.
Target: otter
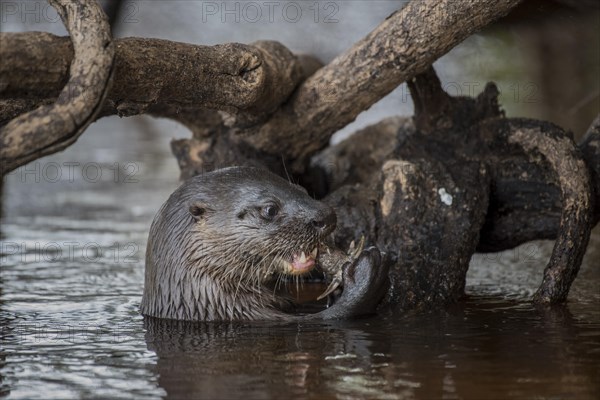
{"points": [[220, 237]]}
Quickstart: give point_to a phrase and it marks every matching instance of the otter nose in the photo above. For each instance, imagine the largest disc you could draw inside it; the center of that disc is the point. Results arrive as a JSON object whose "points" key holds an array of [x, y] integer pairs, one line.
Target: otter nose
{"points": [[325, 221]]}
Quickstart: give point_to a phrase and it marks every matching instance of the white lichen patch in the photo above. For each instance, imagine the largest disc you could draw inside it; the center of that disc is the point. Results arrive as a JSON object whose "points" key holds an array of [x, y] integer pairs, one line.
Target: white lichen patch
{"points": [[445, 196]]}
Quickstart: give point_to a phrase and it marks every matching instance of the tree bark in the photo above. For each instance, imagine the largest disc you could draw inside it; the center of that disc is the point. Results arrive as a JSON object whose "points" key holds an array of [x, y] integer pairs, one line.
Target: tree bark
{"points": [[250, 82], [53, 127], [404, 45], [154, 76]]}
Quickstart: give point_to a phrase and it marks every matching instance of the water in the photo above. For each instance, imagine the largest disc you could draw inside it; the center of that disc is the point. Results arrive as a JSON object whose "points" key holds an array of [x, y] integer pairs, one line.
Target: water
{"points": [[71, 283]]}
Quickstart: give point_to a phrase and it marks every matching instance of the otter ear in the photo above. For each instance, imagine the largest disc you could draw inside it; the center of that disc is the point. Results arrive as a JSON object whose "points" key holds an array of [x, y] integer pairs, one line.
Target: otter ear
{"points": [[197, 209]]}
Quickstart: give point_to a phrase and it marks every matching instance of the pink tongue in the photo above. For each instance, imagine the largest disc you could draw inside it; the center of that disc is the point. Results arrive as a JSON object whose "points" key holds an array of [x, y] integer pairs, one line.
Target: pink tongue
{"points": [[300, 266]]}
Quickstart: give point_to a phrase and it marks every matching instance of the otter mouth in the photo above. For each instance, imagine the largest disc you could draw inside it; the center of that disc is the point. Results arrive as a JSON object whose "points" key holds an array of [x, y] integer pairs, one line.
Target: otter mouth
{"points": [[300, 263]]}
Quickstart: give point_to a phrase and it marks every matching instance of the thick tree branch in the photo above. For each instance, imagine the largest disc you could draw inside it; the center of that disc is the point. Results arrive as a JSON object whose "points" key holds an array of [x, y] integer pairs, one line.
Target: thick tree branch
{"points": [[154, 74], [249, 82], [51, 128], [405, 44]]}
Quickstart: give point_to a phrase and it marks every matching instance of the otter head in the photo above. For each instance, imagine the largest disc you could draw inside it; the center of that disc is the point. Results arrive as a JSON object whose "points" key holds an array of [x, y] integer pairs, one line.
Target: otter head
{"points": [[250, 223], [237, 225]]}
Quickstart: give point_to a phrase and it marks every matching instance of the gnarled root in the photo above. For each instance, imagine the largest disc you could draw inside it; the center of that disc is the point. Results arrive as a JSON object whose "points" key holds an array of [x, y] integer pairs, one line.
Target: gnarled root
{"points": [[461, 177]]}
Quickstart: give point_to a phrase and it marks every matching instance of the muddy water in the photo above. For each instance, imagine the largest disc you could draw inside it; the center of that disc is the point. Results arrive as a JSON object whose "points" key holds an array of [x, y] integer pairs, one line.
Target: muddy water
{"points": [[71, 282]]}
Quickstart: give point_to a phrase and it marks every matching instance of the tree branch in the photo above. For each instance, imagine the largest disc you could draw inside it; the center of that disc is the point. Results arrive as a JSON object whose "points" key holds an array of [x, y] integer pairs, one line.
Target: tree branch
{"points": [[249, 82], [51, 128], [404, 45], [152, 74]]}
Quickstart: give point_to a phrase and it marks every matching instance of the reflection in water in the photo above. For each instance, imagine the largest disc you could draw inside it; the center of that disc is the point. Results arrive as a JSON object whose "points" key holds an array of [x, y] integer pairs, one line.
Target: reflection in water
{"points": [[484, 348], [71, 282]]}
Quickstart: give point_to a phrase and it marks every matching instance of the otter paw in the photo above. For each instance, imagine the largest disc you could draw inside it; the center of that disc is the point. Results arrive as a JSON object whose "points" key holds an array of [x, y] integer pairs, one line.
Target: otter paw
{"points": [[365, 283]]}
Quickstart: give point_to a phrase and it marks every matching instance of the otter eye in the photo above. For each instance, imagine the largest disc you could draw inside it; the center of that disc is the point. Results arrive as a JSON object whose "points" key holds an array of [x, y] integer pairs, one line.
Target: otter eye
{"points": [[270, 211], [197, 211]]}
